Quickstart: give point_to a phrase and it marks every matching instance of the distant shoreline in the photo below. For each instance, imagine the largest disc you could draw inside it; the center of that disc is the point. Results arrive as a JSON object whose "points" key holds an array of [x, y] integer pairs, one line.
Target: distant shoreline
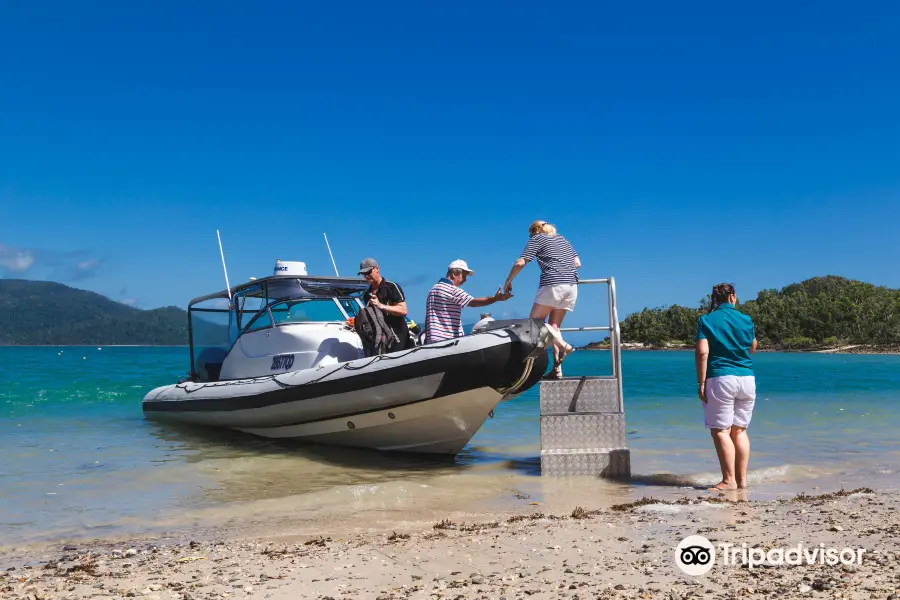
{"points": [[844, 349]]}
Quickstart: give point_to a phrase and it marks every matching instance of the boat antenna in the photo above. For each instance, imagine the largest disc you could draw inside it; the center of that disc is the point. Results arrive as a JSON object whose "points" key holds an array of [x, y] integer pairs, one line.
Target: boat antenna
{"points": [[331, 255], [222, 253]]}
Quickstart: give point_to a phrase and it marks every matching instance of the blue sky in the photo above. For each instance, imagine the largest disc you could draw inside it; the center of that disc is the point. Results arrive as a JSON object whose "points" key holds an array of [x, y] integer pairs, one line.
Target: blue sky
{"points": [[675, 145]]}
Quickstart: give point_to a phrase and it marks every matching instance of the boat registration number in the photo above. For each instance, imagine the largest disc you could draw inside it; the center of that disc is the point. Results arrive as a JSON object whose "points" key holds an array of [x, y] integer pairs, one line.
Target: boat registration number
{"points": [[282, 361]]}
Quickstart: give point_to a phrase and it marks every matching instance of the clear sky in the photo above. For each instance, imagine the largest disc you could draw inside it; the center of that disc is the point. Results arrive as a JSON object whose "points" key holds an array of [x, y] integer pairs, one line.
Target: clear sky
{"points": [[675, 144]]}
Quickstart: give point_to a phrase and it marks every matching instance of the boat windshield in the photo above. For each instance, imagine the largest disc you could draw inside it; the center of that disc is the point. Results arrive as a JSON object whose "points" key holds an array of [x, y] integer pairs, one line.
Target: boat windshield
{"points": [[301, 310], [350, 305], [213, 329], [247, 303], [306, 310]]}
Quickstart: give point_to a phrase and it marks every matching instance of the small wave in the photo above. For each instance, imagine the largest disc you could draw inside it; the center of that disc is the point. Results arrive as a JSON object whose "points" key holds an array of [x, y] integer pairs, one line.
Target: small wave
{"points": [[773, 474]]}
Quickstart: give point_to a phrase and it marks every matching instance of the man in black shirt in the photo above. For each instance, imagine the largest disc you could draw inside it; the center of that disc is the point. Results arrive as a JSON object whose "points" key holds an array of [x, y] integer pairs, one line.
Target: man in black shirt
{"points": [[388, 297]]}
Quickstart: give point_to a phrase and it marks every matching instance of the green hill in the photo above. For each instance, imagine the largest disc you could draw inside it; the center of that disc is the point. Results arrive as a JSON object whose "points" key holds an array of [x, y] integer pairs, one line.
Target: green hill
{"points": [[819, 311], [49, 313]]}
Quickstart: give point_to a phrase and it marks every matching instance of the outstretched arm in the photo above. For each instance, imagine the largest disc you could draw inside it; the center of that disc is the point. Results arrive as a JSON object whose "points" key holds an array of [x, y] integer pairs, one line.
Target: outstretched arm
{"points": [[498, 297], [517, 266]]}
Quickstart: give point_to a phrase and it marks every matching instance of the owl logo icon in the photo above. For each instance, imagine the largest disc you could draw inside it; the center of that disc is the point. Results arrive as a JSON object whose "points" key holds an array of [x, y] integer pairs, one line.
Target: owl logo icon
{"points": [[695, 555]]}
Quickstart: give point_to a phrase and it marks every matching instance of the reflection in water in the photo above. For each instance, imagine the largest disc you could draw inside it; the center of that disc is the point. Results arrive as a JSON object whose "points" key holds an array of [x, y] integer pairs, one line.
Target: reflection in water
{"points": [[275, 467]]}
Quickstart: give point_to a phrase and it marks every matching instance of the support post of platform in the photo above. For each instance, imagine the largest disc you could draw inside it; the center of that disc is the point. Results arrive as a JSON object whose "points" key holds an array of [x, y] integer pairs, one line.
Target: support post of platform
{"points": [[583, 418]]}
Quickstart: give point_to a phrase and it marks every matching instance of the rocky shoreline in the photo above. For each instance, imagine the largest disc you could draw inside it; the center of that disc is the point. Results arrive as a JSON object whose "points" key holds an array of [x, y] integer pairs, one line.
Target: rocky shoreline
{"points": [[625, 551]]}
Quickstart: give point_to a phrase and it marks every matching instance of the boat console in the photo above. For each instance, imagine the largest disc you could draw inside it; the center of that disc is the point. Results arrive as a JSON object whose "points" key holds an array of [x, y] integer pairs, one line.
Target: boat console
{"points": [[285, 322]]}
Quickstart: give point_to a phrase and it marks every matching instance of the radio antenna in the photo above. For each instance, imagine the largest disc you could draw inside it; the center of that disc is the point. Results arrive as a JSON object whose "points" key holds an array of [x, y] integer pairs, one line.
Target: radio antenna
{"points": [[222, 253], [332, 256]]}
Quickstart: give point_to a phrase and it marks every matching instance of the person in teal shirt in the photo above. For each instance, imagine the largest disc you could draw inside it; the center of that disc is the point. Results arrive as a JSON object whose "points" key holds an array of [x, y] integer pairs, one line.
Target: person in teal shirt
{"points": [[726, 382]]}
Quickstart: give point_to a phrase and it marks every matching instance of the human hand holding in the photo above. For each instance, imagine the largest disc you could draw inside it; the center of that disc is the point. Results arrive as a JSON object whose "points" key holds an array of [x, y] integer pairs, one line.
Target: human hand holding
{"points": [[500, 296], [507, 287]]}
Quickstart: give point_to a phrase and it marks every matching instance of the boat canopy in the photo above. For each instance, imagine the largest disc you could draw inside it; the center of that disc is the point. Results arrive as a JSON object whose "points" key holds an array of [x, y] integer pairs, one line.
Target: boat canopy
{"points": [[279, 286]]}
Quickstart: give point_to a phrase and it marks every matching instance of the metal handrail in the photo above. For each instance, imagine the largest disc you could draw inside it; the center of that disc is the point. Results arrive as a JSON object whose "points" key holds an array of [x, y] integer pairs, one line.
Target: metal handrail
{"points": [[614, 334]]}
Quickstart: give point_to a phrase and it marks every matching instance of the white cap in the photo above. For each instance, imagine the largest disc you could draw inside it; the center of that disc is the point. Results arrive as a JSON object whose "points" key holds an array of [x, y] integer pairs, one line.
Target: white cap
{"points": [[461, 265]]}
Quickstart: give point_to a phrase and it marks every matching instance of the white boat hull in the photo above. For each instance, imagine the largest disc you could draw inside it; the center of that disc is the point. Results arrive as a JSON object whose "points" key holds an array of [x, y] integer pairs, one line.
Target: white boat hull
{"points": [[440, 426], [430, 399]]}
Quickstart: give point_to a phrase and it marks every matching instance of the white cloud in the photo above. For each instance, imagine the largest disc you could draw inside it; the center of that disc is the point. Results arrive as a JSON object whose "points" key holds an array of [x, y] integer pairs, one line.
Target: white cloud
{"points": [[54, 265], [14, 260]]}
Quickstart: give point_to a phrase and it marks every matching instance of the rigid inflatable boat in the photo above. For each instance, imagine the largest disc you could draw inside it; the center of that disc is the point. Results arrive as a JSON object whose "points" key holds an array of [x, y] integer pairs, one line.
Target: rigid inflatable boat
{"points": [[275, 357]]}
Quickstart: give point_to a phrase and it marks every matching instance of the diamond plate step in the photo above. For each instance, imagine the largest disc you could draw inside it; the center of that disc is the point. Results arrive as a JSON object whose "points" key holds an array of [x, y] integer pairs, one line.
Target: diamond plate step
{"points": [[582, 428], [582, 432], [579, 395], [611, 464]]}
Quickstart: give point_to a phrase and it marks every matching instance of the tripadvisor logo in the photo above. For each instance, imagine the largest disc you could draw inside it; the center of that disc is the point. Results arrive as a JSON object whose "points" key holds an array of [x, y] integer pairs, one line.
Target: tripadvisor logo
{"points": [[695, 555]]}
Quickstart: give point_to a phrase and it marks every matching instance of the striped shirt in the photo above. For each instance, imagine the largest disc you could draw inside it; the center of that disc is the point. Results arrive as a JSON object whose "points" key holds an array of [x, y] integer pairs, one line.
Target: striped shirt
{"points": [[443, 311], [555, 256]]}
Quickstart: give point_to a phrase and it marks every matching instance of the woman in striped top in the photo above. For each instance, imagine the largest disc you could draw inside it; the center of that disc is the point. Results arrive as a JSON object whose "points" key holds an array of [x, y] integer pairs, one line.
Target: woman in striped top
{"points": [[558, 287]]}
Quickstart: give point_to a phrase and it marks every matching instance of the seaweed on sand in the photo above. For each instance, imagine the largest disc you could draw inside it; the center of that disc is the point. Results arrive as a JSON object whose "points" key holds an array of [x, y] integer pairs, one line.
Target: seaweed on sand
{"points": [[804, 497]]}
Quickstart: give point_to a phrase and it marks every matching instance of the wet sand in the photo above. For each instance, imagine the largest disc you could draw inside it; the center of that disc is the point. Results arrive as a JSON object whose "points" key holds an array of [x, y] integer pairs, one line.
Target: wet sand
{"points": [[618, 551]]}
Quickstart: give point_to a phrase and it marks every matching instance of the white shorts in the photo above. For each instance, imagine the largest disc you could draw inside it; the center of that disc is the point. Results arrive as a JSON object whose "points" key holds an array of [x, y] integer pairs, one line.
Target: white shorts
{"points": [[560, 296], [729, 401]]}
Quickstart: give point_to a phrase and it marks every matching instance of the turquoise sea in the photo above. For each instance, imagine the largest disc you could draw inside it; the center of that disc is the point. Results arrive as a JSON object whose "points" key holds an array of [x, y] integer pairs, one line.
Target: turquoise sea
{"points": [[79, 460]]}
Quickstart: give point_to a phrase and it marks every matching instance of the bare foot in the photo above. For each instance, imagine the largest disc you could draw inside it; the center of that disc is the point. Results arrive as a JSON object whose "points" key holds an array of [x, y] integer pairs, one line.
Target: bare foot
{"points": [[723, 487]]}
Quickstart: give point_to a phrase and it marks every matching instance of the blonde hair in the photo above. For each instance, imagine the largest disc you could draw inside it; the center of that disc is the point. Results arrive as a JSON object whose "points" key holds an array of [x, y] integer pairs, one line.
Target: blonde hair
{"points": [[541, 227]]}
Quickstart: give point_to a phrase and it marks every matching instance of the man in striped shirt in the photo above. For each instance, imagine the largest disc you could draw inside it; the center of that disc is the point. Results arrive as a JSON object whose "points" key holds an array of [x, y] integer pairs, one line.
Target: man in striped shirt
{"points": [[445, 301]]}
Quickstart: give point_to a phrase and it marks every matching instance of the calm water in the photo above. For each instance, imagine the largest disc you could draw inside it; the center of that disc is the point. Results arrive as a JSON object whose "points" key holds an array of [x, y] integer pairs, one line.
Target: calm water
{"points": [[81, 461]]}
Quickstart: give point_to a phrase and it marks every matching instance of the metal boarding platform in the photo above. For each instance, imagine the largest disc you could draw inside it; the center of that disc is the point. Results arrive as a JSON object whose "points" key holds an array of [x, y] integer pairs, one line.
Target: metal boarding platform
{"points": [[583, 418]]}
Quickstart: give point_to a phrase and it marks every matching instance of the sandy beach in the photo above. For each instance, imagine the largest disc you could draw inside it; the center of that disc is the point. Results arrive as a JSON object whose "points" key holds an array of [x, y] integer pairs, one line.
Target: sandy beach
{"points": [[620, 551]]}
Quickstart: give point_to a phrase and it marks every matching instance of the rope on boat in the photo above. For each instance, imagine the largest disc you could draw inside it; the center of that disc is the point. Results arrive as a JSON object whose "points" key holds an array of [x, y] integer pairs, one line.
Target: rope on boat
{"points": [[343, 366], [397, 356]]}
